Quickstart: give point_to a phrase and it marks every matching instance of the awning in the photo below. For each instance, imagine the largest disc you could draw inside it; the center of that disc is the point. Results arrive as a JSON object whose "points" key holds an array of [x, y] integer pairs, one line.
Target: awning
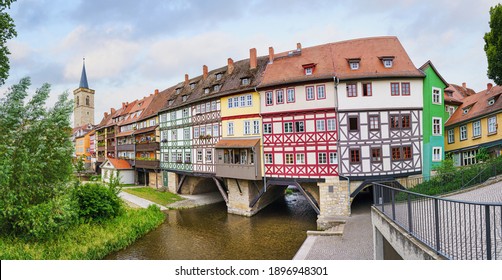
{"points": [[237, 143], [144, 130]]}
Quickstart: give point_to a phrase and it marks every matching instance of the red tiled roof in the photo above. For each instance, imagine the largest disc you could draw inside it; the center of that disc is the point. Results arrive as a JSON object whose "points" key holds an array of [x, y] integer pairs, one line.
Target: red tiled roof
{"points": [[119, 163], [478, 104], [332, 60]]}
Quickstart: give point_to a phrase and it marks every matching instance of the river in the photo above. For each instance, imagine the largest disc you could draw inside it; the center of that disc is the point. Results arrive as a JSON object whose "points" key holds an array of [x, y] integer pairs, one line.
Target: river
{"points": [[210, 233]]}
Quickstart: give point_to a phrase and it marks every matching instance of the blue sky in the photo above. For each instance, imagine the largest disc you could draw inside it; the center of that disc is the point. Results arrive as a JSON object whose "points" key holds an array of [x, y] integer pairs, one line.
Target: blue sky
{"points": [[134, 47]]}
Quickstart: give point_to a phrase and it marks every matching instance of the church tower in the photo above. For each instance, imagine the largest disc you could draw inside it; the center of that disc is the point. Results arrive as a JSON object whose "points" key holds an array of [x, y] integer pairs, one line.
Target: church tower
{"points": [[83, 98]]}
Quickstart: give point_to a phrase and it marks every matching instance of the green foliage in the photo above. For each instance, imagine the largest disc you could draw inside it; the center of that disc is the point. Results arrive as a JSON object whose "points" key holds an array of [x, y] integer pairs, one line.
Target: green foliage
{"points": [[493, 45], [7, 31], [97, 202], [95, 178], [482, 155], [88, 241], [160, 197], [35, 166], [79, 166]]}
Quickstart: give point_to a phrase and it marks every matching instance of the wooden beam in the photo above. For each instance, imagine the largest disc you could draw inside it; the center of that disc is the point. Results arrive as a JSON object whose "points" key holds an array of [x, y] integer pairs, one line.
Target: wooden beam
{"points": [[222, 191], [180, 183], [309, 199]]}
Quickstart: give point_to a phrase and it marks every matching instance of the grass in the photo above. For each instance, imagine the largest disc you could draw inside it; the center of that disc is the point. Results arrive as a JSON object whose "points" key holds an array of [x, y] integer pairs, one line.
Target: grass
{"points": [[160, 197], [89, 241]]}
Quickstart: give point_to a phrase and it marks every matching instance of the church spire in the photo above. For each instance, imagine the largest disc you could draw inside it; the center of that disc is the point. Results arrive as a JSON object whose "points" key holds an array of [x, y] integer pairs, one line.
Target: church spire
{"points": [[83, 78]]}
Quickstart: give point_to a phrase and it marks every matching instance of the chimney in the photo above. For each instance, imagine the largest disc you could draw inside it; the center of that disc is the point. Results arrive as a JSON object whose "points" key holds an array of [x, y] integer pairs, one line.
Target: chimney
{"points": [[230, 66], [488, 87], [299, 47], [186, 79], [270, 55], [123, 105], [112, 111], [252, 58], [156, 91], [106, 114], [204, 71], [464, 85]]}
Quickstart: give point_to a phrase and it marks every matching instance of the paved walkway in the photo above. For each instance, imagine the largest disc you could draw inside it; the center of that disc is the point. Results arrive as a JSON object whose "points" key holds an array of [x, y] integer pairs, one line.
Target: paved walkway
{"points": [[189, 201], [138, 201]]}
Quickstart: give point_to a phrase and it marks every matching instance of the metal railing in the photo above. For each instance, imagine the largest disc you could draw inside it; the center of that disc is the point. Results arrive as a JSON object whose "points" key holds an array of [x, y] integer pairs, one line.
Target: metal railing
{"points": [[458, 230]]}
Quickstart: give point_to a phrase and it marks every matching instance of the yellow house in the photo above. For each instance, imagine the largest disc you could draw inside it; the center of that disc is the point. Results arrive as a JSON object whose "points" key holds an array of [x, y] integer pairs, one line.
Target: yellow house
{"points": [[239, 152], [474, 125], [82, 147]]}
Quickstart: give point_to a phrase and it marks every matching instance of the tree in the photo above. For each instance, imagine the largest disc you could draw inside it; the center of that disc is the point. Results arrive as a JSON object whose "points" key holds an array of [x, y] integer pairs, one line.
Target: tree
{"points": [[493, 45], [35, 166], [79, 166], [7, 32]]}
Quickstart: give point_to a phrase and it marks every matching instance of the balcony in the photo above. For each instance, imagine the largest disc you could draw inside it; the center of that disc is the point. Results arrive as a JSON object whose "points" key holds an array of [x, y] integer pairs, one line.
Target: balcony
{"points": [[110, 148], [101, 148], [148, 164], [152, 146], [110, 135], [126, 147], [101, 159], [101, 137], [239, 171]]}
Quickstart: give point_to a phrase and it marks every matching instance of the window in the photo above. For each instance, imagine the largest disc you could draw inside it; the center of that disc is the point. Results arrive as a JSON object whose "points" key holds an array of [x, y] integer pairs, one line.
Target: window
{"points": [[269, 98], [289, 159], [188, 157], [179, 156], [331, 124], [249, 100], [202, 131], [184, 98], [242, 100], [288, 127], [214, 106], [87, 101], [374, 122], [367, 89], [320, 125], [247, 127], [396, 153], [178, 90], [351, 90], [437, 153], [321, 158], [216, 130], [355, 156], [354, 65], [399, 121], [267, 128], [236, 102], [309, 91], [256, 127], [333, 158], [245, 81], [451, 136], [300, 158], [491, 102], [405, 121], [321, 92], [290, 95], [279, 94], [308, 71], [209, 156], [199, 155], [184, 113], [476, 129], [353, 124], [387, 63], [186, 134], [436, 96], [407, 152], [492, 125], [173, 115], [174, 135], [376, 155], [405, 89], [196, 132], [466, 110], [192, 85], [394, 89], [436, 126], [218, 76], [230, 128], [268, 159], [206, 90], [463, 132], [299, 126], [469, 157]]}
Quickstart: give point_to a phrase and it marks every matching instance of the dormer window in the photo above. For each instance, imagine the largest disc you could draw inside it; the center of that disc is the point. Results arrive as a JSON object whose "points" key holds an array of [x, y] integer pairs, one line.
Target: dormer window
{"points": [[171, 101], [245, 81], [354, 63], [206, 90], [219, 76], [178, 90], [387, 61], [192, 85], [184, 98], [466, 110], [216, 87], [308, 69], [491, 101]]}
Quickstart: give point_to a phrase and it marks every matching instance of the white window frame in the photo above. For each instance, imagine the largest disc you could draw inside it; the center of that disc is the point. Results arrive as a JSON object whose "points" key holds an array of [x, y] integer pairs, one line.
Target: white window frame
{"points": [[267, 128], [331, 124], [322, 158], [269, 159], [333, 158], [436, 96], [463, 132], [451, 136], [320, 125], [269, 98], [288, 127], [476, 129], [300, 158], [437, 154], [230, 128], [438, 126], [492, 125], [256, 127], [247, 127], [289, 158]]}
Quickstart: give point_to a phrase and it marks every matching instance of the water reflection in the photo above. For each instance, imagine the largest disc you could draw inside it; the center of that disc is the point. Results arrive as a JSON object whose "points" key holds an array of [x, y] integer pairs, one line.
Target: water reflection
{"points": [[210, 233]]}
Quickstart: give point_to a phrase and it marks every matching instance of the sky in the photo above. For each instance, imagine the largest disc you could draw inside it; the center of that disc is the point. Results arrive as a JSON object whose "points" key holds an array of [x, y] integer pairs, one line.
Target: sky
{"points": [[133, 47]]}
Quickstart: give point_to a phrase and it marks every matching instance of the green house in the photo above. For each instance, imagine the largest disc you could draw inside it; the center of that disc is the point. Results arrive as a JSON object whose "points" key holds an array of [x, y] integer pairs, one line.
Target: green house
{"points": [[433, 118]]}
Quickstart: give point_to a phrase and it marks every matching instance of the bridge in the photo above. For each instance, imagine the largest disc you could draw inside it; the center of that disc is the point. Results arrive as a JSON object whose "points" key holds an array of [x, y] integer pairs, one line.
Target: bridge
{"points": [[409, 225]]}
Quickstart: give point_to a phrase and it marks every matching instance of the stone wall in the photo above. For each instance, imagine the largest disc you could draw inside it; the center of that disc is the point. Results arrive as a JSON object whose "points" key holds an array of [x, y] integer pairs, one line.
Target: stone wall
{"points": [[242, 193], [334, 202]]}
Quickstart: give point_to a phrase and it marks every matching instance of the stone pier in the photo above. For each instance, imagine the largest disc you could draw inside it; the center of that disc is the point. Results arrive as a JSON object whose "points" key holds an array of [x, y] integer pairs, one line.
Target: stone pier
{"points": [[334, 203], [241, 193]]}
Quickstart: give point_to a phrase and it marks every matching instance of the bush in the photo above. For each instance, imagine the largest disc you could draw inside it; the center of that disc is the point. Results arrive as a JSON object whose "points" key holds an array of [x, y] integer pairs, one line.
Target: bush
{"points": [[97, 202]]}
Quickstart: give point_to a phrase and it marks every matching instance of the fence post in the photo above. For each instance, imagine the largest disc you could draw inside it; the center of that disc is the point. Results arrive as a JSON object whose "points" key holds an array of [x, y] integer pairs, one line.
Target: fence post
{"points": [[436, 219], [410, 222], [488, 235], [393, 206]]}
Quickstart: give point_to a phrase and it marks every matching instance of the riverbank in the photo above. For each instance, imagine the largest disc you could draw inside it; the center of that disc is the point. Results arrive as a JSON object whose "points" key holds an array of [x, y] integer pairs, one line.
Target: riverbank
{"points": [[90, 241]]}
